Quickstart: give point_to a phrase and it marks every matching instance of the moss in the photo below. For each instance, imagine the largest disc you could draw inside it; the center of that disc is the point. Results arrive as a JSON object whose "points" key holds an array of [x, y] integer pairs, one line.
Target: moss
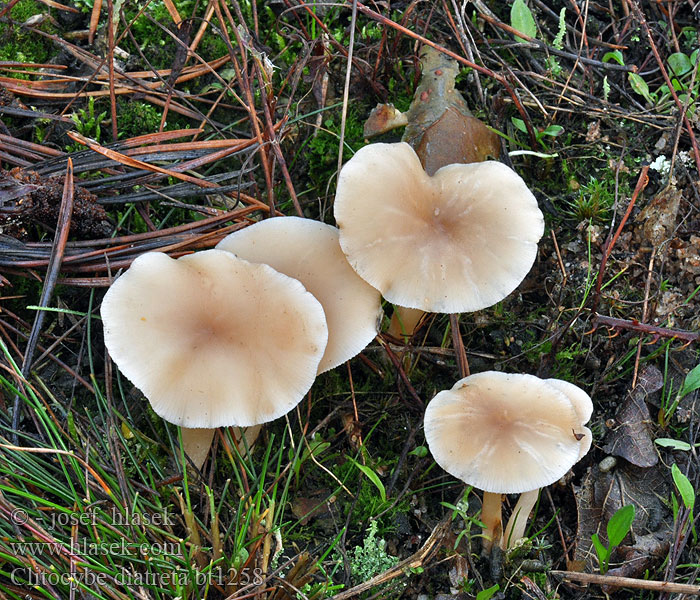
{"points": [[137, 118], [323, 149], [22, 45]]}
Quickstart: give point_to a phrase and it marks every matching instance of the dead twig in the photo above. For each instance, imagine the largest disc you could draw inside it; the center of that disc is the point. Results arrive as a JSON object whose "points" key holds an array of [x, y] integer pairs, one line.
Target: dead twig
{"points": [[628, 582], [346, 88], [54, 268], [634, 325]]}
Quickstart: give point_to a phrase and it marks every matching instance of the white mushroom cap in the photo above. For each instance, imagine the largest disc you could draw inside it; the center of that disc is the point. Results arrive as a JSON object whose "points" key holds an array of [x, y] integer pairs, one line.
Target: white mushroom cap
{"points": [[213, 340], [309, 251], [458, 241], [508, 433]]}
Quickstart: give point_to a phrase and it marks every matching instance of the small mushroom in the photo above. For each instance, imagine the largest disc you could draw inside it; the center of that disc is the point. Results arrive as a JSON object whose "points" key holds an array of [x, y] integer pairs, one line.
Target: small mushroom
{"points": [[458, 241], [309, 251], [213, 340], [506, 434]]}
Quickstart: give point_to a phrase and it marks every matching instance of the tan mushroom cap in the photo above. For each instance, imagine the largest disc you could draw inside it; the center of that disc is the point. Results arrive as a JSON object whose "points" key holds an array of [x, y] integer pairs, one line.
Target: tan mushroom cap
{"points": [[213, 340], [507, 433], [458, 241], [309, 251]]}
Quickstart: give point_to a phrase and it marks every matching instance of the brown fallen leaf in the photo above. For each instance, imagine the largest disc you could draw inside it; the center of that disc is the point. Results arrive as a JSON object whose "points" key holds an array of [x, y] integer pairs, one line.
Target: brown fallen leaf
{"points": [[603, 493], [440, 127], [660, 216], [632, 439], [314, 505], [455, 138], [383, 118]]}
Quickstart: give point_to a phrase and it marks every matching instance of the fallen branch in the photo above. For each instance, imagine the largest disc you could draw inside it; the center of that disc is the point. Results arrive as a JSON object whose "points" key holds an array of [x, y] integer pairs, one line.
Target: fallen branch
{"points": [[628, 582], [657, 332]]}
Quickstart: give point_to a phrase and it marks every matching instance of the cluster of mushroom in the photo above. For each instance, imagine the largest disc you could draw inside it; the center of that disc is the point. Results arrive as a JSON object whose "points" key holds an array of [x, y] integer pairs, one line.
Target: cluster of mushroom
{"points": [[459, 241], [235, 336]]}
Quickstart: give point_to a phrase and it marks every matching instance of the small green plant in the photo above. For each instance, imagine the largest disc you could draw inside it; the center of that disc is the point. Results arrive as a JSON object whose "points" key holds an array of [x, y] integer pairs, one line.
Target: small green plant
{"points": [[87, 123], [521, 19], [618, 527], [541, 135], [20, 44], [680, 69], [460, 510], [687, 492], [595, 200], [314, 449], [691, 383], [552, 62]]}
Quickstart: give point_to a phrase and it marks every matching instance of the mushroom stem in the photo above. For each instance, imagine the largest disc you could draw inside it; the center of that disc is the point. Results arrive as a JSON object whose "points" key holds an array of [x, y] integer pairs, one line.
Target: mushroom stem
{"points": [[404, 322], [491, 518], [515, 529], [196, 443]]}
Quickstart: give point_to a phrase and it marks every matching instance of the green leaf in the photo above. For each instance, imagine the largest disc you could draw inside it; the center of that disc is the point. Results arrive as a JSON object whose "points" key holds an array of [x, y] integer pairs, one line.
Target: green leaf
{"points": [[680, 63], [671, 443], [521, 19], [487, 593], [602, 552], [640, 86], [373, 477], [619, 524], [519, 124], [615, 55], [684, 487], [691, 382], [553, 130], [419, 451]]}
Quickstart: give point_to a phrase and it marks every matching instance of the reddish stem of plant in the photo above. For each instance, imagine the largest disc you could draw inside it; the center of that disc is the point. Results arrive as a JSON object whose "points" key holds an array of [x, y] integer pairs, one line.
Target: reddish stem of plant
{"points": [[641, 184], [634, 325]]}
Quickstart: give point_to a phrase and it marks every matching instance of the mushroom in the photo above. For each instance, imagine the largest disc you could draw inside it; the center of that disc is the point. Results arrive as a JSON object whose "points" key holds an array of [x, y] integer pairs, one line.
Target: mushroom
{"points": [[213, 340], [505, 434], [309, 251], [458, 241]]}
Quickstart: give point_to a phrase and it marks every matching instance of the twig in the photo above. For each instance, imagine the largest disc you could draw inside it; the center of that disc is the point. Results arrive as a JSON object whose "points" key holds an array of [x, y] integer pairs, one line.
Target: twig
{"points": [[346, 89], [54, 268], [552, 50], [402, 374], [559, 260], [634, 325], [110, 64], [629, 582], [138, 164], [458, 344]]}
